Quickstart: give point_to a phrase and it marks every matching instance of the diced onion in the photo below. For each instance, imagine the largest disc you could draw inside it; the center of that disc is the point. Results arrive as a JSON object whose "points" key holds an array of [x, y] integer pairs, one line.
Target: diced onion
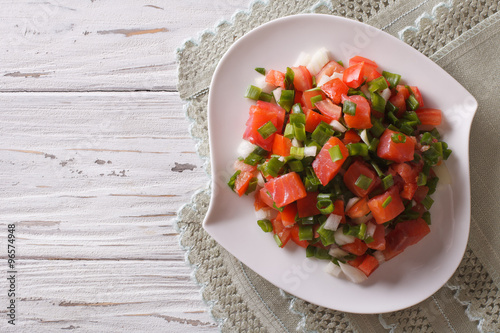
{"points": [[365, 91], [303, 59], [332, 222], [332, 269], [296, 143], [352, 273], [362, 219], [443, 174], [351, 203], [263, 214], [337, 253], [282, 159], [245, 148], [337, 76], [324, 79], [277, 94], [364, 137], [379, 256], [386, 94], [338, 126], [261, 83], [260, 180], [342, 239], [370, 229], [310, 151], [318, 60]]}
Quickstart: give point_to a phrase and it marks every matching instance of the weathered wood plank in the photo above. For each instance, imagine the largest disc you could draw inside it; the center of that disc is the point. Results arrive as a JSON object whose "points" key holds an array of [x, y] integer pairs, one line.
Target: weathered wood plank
{"points": [[58, 45]]}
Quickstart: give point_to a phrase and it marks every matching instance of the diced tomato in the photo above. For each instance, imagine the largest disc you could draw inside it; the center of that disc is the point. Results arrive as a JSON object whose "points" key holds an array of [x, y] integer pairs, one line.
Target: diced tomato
{"points": [[329, 69], [358, 247], [418, 96], [276, 78], [279, 229], [259, 117], [420, 193], [397, 152], [378, 242], [281, 145], [308, 94], [370, 73], [335, 89], [352, 174], [302, 79], [242, 182], [338, 209], [410, 176], [286, 189], [358, 59], [323, 165], [405, 234], [429, 116], [369, 264], [258, 202], [297, 98], [313, 119], [353, 75], [359, 209], [288, 214], [351, 137], [240, 165], [294, 232], [419, 208], [307, 205], [393, 209], [265, 197], [398, 101], [277, 110], [327, 108], [361, 118], [402, 89], [357, 261]]}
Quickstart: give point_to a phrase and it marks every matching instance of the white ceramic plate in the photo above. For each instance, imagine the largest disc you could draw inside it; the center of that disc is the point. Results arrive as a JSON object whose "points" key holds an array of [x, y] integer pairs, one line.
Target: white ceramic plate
{"points": [[405, 280]]}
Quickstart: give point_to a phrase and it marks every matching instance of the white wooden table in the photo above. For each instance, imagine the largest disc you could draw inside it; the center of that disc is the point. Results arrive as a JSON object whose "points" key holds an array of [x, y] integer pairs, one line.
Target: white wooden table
{"points": [[96, 159]]}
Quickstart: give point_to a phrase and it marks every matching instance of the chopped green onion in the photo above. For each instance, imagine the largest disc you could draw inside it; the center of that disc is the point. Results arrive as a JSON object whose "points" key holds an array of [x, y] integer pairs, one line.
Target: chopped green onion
{"points": [[422, 179], [315, 99], [435, 133], [232, 180], [278, 240], [377, 128], [377, 169], [426, 216], [314, 81], [378, 84], [398, 138], [351, 230], [288, 131], [340, 63], [253, 92], [389, 107], [297, 108], [357, 149], [252, 185], [310, 251], [322, 254], [286, 99], [326, 236], [255, 156], [307, 220], [373, 145], [310, 187], [297, 118], [387, 202], [297, 153], [349, 108], [273, 166], [266, 97], [322, 133], [352, 92], [393, 128], [296, 166], [267, 130], [412, 103], [427, 202], [279, 209], [426, 138], [387, 181], [406, 129], [260, 70], [392, 118], [299, 131], [325, 206], [265, 225], [369, 239], [432, 184], [431, 156], [392, 78], [362, 231], [412, 115], [306, 232], [363, 182], [289, 76], [335, 153], [311, 175]]}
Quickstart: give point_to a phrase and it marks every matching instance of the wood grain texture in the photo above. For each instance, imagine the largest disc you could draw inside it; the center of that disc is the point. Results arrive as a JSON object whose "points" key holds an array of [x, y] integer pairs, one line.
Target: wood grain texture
{"points": [[95, 160]]}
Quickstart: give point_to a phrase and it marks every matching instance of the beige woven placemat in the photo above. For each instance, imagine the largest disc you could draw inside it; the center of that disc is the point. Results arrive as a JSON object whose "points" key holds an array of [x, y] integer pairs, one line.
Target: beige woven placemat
{"points": [[461, 36]]}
